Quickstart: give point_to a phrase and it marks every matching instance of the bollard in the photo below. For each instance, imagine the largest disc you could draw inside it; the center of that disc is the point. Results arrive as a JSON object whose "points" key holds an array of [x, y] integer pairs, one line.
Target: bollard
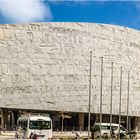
{"points": [[57, 130], [73, 130], [80, 130], [5, 127], [65, 130]]}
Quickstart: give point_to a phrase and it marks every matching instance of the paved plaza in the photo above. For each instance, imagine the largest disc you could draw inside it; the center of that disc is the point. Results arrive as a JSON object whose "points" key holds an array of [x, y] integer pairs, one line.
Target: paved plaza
{"points": [[56, 135]]}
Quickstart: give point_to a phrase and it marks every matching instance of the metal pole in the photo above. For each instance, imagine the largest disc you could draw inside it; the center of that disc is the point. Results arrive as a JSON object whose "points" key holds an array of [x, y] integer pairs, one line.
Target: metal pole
{"points": [[120, 101], [111, 98], [128, 101], [101, 90], [89, 95]]}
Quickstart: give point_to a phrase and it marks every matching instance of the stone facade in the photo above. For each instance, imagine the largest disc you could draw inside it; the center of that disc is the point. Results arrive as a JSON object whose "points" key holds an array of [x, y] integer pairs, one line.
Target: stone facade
{"points": [[45, 66]]}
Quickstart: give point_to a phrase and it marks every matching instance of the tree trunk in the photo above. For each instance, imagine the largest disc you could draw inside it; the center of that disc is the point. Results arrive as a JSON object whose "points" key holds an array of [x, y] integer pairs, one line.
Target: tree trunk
{"points": [[62, 124], [92, 135]]}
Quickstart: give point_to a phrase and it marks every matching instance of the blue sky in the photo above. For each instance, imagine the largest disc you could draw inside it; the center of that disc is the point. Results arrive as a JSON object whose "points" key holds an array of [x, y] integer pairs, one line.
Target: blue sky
{"points": [[123, 13]]}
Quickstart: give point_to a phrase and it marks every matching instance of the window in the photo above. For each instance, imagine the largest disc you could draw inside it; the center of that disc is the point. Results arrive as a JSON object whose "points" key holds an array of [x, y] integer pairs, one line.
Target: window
{"points": [[114, 127], [40, 125], [104, 127], [121, 128], [22, 123]]}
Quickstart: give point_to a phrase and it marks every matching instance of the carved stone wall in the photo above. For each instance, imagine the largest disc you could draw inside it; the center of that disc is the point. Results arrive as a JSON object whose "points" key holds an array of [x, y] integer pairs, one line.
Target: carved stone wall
{"points": [[45, 66]]}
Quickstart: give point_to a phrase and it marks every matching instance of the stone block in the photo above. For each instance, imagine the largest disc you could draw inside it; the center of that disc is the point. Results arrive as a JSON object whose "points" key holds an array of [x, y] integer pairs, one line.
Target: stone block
{"points": [[53, 59], [1, 34]]}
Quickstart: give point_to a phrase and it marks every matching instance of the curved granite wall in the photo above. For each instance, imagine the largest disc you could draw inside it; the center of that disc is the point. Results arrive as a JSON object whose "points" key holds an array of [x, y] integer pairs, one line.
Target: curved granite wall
{"points": [[45, 66]]}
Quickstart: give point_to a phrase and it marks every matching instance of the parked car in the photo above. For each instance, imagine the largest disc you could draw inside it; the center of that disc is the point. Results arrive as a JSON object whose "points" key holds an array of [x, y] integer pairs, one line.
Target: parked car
{"points": [[105, 130]]}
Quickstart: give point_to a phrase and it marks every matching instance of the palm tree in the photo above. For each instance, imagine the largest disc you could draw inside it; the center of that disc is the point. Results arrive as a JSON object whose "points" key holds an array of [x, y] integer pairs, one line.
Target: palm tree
{"points": [[63, 116]]}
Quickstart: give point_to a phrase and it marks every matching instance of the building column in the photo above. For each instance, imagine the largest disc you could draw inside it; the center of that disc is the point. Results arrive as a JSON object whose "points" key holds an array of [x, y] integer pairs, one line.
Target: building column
{"points": [[137, 123], [97, 118], [81, 121], [129, 123], [12, 119], [5, 118], [2, 119]]}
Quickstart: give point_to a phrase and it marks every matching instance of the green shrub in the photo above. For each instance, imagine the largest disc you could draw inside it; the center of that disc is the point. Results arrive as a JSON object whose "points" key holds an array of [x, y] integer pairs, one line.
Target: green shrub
{"points": [[94, 128]]}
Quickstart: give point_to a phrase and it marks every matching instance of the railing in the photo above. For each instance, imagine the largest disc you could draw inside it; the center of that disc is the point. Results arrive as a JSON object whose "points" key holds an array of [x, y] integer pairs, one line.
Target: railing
{"points": [[65, 128], [8, 128], [70, 128]]}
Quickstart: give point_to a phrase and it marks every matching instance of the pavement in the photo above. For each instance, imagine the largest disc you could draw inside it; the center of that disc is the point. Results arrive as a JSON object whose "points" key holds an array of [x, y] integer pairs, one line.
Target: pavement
{"points": [[70, 134], [8, 133], [57, 135]]}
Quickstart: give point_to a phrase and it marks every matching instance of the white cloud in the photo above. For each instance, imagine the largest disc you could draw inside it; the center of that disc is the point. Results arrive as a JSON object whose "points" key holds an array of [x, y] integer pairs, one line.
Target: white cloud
{"points": [[25, 10]]}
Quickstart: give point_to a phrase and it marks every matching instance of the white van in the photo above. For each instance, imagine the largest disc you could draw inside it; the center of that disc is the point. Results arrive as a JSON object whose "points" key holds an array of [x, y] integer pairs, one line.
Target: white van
{"points": [[34, 126], [105, 129]]}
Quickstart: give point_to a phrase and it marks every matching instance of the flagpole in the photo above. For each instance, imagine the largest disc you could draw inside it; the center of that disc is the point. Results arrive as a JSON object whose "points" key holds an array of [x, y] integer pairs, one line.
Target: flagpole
{"points": [[89, 95], [128, 101], [111, 98], [101, 90], [120, 100]]}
